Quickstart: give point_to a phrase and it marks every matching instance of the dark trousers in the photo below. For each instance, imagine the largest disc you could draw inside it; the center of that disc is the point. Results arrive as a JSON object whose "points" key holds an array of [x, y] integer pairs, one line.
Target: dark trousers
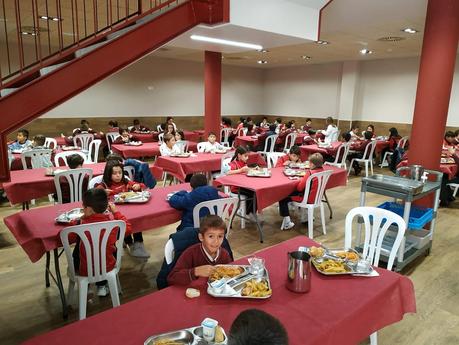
{"points": [[249, 203], [136, 237], [283, 204], [355, 165]]}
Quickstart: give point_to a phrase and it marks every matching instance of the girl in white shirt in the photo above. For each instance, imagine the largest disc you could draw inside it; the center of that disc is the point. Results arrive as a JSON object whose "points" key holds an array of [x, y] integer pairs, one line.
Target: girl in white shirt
{"points": [[331, 133], [168, 147], [211, 145]]}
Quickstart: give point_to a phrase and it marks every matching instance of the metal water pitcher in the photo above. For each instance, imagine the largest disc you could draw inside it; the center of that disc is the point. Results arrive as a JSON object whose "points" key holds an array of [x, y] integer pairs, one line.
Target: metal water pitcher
{"points": [[299, 272]]}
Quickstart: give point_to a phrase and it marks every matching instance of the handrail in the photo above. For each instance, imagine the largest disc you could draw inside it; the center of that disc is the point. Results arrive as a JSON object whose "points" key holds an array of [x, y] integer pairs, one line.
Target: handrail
{"points": [[39, 33]]}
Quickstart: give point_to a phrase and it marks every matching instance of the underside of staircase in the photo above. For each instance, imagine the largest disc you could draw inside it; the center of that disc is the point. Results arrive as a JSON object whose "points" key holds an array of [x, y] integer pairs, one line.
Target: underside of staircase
{"points": [[41, 89]]}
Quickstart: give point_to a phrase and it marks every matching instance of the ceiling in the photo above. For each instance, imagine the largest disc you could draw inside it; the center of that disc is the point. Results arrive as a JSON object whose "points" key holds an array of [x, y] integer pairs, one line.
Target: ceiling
{"points": [[349, 26]]}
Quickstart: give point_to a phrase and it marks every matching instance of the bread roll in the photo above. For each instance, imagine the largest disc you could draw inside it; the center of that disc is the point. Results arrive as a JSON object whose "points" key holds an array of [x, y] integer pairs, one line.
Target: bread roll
{"points": [[219, 337], [192, 293]]}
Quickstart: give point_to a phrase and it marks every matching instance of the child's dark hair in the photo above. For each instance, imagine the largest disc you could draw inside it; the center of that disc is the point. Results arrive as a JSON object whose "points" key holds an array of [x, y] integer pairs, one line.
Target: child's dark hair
{"points": [[449, 134], [329, 120], [372, 127], [226, 121], [346, 136], [182, 135], [73, 161], [108, 171], [121, 130], [242, 119], [278, 120], [39, 140], [368, 135], [167, 137], [256, 327], [317, 159], [84, 122], [393, 132], [169, 118], [97, 199], [249, 127], [308, 120], [248, 119], [198, 180], [265, 118], [456, 133], [84, 127], [113, 123], [136, 122], [211, 133], [211, 221], [295, 150], [114, 157], [24, 132], [240, 150], [354, 127]]}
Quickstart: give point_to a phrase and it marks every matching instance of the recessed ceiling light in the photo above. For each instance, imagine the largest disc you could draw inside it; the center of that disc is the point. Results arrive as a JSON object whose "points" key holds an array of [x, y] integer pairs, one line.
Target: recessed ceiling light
{"points": [[305, 57], [366, 51], [263, 50], [410, 30], [262, 62], [226, 42], [54, 19], [26, 33], [322, 42]]}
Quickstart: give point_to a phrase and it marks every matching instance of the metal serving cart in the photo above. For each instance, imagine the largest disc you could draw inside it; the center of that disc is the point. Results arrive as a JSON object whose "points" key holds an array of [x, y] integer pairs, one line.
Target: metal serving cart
{"points": [[416, 242]]}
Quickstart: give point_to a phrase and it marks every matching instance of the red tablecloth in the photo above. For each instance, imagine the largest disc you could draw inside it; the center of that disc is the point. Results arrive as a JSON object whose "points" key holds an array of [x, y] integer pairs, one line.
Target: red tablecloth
{"points": [[275, 188], [144, 150], [307, 150], [193, 135], [145, 137], [381, 145], [202, 162], [37, 233], [246, 140], [337, 310], [26, 185]]}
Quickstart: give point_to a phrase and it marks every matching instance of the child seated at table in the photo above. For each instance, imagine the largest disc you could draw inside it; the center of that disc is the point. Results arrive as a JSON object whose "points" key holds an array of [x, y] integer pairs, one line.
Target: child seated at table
{"points": [[449, 140], [168, 147], [199, 259], [95, 205], [239, 125], [124, 137], [114, 182], [142, 172], [359, 148], [113, 126], [264, 123], [308, 126], [74, 162], [212, 145], [186, 201], [316, 162], [293, 156], [22, 141], [38, 143], [394, 138], [355, 133], [138, 128], [371, 129], [256, 327]]}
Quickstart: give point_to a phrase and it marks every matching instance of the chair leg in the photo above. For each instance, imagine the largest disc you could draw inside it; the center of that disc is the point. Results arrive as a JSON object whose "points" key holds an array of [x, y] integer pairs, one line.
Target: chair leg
{"points": [[243, 213], [113, 290], [371, 166], [374, 338], [118, 284], [310, 223], [366, 168], [322, 218], [48, 259], [82, 297], [350, 167], [71, 292]]}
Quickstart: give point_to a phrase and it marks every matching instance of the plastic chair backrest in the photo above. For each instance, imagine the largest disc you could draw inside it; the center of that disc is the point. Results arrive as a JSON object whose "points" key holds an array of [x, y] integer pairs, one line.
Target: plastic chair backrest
{"points": [[182, 145], [169, 251], [63, 156], [94, 238], [129, 169], [49, 141], [201, 147], [111, 137], [322, 179], [38, 157], [369, 150], [241, 132], [225, 161], [376, 222], [83, 140], [225, 208], [95, 180], [272, 158], [289, 141], [75, 179], [161, 138], [159, 128], [341, 153], [224, 136], [270, 142], [402, 142], [93, 154]]}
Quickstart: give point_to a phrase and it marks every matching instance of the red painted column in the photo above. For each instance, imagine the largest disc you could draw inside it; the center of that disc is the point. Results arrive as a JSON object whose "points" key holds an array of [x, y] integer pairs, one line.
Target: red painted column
{"points": [[213, 92], [439, 49]]}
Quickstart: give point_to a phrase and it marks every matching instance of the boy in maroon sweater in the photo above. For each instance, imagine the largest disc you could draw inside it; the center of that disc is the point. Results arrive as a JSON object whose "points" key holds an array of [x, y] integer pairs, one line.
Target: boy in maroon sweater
{"points": [[199, 259]]}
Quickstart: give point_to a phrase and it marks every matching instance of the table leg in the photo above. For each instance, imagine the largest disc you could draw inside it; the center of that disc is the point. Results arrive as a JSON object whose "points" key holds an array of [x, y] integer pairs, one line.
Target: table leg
{"points": [[260, 230], [48, 257], [65, 312], [328, 204]]}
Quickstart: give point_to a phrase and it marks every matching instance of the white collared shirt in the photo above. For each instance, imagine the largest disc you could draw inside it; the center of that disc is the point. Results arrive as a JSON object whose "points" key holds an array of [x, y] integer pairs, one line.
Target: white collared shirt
{"points": [[211, 259], [208, 147], [166, 151]]}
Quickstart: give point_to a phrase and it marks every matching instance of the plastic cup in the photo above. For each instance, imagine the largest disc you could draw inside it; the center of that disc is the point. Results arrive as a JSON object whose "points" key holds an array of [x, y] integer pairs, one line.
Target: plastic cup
{"points": [[208, 329]]}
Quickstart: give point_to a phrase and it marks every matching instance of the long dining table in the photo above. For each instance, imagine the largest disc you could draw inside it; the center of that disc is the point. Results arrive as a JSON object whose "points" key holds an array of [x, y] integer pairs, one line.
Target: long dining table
{"points": [[337, 310], [144, 150], [37, 232]]}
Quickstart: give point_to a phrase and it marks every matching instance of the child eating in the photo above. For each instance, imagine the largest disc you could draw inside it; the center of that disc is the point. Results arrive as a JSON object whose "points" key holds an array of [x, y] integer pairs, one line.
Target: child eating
{"points": [[22, 141], [293, 156], [199, 259], [212, 145], [168, 147]]}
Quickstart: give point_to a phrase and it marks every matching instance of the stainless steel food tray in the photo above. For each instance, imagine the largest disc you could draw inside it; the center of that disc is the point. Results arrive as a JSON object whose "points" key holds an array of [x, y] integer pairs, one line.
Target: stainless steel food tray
{"points": [[394, 183], [187, 336]]}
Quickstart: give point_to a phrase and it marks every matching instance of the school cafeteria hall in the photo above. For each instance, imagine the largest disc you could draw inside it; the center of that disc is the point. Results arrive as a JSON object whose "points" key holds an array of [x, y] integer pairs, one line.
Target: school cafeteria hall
{"points": [[229, 172]]}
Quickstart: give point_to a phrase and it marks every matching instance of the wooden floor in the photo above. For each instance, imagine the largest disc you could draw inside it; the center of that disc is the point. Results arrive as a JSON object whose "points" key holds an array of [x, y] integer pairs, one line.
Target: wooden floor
{"points": [[28, 308]]}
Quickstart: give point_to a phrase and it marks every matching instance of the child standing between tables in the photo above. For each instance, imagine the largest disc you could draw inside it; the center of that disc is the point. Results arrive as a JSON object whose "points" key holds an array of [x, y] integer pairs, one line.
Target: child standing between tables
{"points": [[316, 162], [95, 203], [293, 156], [22, 141], [114, 182], [199, 259], [212, 145]]}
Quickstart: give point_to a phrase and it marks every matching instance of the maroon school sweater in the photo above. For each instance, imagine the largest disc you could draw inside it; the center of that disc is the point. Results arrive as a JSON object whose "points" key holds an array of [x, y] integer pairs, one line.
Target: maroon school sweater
{"points": [[194, 256]]}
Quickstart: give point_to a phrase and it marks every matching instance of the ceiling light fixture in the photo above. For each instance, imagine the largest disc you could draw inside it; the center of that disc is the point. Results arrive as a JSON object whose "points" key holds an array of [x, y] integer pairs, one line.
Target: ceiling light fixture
{"points": [[322, 42], [305, 57], [31, 33], [54, 19], [263, 50], [410, 30], [262, 62], [366, 51], [226, 42]]}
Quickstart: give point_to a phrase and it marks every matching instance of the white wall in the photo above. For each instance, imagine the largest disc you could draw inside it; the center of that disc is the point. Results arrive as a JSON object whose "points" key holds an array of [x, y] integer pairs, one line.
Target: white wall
{"points": [[159, 87]]}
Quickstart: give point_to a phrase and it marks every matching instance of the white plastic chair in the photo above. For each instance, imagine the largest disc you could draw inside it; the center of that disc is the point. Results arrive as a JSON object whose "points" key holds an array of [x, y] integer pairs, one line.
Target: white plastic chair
{"points": [[50, 143], [182, 145], [75, 179], [270, 144], [63, 156], [93, 154], [272, 158], [225, 208], [39, 158], [159, 128], [111, 137], [375, 231], [201, 147], [161, 138], [169, 251], [83, 140], [224, 136], [322, 179], [454, 187], [341, 156], [289, 141], [401, 144], [130, 171], [94, 238], [242, 131], [95, 180], [367, 158]]}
